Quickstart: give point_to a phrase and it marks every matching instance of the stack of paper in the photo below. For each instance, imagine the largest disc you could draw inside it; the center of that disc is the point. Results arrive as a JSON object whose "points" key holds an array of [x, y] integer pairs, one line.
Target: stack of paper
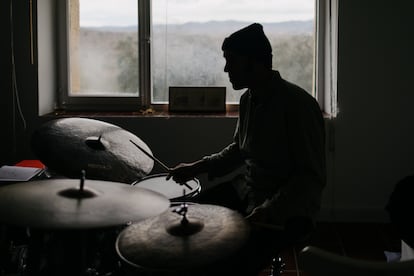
{"points": [[18, 173]]}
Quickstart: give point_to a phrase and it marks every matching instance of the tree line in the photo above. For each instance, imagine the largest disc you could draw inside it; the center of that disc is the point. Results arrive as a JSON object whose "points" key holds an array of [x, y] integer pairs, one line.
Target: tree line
{"points": [[182, 58]]}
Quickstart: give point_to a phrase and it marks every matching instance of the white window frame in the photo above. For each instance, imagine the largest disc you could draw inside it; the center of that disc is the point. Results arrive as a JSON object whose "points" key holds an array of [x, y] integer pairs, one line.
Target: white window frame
{"points": [[325, 77], [326, 55], [67, 102]]}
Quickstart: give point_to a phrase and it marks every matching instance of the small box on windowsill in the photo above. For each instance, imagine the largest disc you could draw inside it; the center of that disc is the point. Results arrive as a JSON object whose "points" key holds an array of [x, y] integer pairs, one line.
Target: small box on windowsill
{"points": [[197, 99]]}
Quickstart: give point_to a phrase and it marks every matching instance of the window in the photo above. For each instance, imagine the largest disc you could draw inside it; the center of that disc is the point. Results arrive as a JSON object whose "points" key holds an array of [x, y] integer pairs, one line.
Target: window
{"points": [[102, 57], [125, 54], [187, 38]]}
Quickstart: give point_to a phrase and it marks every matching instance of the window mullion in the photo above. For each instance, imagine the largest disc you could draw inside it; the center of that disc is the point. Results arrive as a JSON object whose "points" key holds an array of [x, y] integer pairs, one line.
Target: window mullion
{"points": [[326, 53], [144, 32]]}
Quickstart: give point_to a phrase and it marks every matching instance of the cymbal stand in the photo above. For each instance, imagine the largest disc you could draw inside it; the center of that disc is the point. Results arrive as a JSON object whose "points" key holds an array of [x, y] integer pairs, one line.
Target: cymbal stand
{"points": [[66, 252], [182, 210]]}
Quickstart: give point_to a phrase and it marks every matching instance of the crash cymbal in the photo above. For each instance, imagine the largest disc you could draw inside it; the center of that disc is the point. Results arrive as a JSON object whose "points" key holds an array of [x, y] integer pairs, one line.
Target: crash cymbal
{"points": [[61, 204], [103, 150], [168, 243]]}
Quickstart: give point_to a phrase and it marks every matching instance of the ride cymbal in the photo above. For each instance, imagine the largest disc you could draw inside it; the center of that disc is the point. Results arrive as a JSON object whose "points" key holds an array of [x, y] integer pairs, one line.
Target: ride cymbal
{"points": [[103, 150]]}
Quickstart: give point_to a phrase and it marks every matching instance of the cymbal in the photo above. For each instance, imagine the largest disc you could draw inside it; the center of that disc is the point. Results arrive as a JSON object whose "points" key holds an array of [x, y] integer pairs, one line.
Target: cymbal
{"points": [[60, 204], [165, 243], [103, 150]]}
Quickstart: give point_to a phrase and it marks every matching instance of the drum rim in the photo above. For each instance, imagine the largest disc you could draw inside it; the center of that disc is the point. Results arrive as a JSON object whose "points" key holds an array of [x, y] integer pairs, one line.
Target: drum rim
{"points": [[149, 176], [160, 175], [194, 192]]}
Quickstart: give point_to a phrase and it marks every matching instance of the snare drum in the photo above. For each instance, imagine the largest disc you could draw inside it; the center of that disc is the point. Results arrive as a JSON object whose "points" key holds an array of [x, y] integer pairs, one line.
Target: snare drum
{"points": [[172, 190]]}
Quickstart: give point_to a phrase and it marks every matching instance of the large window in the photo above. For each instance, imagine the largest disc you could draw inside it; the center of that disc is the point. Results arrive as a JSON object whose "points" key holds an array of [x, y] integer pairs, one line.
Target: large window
{"points": [[187, 37], [125, 54]]}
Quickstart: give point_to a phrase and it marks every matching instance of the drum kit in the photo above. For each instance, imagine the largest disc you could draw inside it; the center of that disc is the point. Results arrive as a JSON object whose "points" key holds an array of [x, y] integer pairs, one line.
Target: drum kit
{"points": [[105, 215]]}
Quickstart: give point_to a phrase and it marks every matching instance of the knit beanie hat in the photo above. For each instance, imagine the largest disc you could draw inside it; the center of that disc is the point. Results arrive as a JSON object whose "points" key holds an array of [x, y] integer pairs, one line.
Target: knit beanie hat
{"points": [[250, 41]]}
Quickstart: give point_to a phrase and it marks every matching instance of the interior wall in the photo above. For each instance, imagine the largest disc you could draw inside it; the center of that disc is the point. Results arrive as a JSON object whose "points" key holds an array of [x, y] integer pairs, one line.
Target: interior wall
{"points": [[374, 131], [18, 97], [371, 138], [6, 108]]}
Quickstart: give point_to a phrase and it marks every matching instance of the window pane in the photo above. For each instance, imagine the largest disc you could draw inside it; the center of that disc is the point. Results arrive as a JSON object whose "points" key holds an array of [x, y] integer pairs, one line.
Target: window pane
{"points": [[103, 48], [187, 37]]}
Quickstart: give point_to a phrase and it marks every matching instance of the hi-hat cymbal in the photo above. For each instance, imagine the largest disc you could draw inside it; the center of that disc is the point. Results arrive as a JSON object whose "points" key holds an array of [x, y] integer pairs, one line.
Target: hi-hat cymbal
{"points": [[164, 243], [103, 150], [60, 204]]}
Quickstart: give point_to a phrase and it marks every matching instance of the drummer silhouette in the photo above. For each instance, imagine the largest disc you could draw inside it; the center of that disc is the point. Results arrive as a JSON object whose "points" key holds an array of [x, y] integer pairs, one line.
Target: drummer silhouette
{"points": [[279, 148]]}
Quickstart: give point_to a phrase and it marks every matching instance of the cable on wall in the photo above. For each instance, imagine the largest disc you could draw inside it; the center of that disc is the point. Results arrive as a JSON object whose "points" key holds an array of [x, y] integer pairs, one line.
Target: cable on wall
{"points": [[16, 98], [31, 32]]}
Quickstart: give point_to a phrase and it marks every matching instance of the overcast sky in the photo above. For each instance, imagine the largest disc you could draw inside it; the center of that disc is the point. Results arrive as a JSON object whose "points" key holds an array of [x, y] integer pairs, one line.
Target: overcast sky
{"points": [[124, 12]]}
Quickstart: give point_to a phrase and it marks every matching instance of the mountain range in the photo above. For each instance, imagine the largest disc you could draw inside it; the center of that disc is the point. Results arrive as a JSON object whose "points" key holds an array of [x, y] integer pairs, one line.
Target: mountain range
{"points": [[291, 27]]}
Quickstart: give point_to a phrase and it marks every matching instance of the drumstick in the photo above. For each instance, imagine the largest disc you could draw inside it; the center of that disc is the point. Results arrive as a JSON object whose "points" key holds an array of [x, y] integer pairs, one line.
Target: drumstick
{"points": [[156, 160], [151, 156]]}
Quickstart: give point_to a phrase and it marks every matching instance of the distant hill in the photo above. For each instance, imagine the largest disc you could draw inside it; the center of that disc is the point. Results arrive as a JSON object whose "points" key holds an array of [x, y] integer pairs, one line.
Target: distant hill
{"points": [[187, 54], [219, 27], [231, 26]]}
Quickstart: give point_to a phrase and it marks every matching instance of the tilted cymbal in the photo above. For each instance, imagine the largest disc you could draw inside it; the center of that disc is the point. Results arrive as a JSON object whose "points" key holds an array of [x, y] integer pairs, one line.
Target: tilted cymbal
{"points": [[61, 204], [103, 150], [169, 243]]}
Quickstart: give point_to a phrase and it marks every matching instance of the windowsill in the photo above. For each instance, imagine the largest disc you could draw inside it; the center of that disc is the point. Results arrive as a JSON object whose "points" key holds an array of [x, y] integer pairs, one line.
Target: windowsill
{"points": [[144, 113], [151, 113], [158, 110]]}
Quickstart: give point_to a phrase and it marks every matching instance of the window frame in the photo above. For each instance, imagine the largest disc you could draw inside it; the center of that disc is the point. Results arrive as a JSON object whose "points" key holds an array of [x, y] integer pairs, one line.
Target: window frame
{"points": [[325, 67], [326, 56], [105, 103]]}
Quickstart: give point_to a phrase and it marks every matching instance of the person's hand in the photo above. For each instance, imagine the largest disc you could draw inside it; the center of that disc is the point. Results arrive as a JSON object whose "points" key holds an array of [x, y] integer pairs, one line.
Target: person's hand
{"points": [[184, 172], [259, 219], [257, 216]]}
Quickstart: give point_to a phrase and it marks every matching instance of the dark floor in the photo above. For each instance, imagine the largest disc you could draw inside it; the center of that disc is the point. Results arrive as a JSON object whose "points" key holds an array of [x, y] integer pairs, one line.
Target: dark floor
{"points": [[366, 241]]}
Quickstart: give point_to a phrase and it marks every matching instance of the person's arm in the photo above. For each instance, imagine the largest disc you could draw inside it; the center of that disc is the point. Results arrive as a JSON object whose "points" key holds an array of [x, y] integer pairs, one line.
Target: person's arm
{"points": [[224, 162], [214, 165]]}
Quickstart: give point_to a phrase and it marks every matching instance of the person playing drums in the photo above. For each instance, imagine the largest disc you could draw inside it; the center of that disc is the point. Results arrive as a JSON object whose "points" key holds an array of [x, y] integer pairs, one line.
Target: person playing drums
{"points": [[279, 146]]}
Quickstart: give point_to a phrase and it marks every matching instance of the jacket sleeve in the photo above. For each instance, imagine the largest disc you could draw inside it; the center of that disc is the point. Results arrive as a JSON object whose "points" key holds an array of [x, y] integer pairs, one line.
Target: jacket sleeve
{"points": [[225, 161]]}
